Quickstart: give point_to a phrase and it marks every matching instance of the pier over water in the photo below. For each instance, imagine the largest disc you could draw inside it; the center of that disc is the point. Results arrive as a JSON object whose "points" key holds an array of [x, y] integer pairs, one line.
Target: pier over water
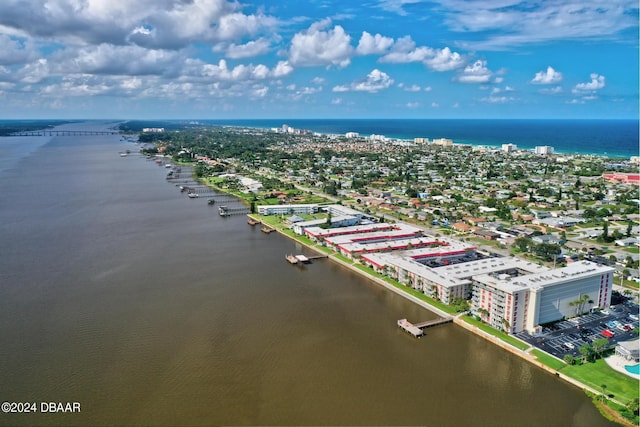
{"points": [[417, 329]]}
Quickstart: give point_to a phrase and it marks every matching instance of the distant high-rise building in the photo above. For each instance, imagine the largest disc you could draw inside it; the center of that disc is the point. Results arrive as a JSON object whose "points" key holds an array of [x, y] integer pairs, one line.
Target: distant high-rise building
{"points": [[509, 148], [443, 141], [352, 135], [544, 149]]}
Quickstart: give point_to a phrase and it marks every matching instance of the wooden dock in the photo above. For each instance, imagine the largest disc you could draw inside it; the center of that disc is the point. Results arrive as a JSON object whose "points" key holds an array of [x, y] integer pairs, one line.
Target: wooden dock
{"points": [[417, 329], [303, 259], [435, 322], [410, 328]]}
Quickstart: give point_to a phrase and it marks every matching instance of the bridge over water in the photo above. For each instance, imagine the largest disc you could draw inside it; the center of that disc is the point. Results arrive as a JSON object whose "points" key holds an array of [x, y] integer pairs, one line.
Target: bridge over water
{"points": [[47, 132]]}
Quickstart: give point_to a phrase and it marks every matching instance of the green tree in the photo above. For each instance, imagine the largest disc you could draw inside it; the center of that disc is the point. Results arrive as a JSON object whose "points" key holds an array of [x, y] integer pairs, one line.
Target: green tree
{"points": [[547, 251], [599, 345], [587, 353], [569, 359], [523, 244]]}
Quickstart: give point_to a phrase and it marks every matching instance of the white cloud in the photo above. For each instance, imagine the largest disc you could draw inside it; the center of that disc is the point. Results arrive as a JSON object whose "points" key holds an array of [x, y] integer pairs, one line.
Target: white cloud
{"points": [[315, 47], [34, 72], [282, 68], [475, 73], [412, 88], [497, 99], [597, 82], [396, 5], [336, 101], [508, 23], [435, 105], [404, 51], [117, 60], [375, 81], [552, 91], [548, 77], [16, 51], [444, 60], [159, 24], [249, 49], [369, 45], [413, 104]]}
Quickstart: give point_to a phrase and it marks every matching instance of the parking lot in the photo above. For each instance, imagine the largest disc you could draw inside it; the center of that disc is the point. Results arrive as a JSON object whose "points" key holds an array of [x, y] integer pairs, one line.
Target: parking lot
{"points": [[567, 336]]}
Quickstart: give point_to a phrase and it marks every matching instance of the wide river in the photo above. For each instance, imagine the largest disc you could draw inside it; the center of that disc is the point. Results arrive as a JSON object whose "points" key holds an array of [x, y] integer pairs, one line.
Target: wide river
{"points": [[147, 308]]}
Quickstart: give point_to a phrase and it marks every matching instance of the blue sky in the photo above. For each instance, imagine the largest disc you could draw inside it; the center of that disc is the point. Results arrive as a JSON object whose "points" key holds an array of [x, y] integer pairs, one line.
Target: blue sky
{"points": [[213, 59]]}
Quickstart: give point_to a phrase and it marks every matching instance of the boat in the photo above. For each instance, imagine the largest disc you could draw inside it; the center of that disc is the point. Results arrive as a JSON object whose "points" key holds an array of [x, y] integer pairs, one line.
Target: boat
{"points": [[253, 221], [292, 259], [267, 230]]}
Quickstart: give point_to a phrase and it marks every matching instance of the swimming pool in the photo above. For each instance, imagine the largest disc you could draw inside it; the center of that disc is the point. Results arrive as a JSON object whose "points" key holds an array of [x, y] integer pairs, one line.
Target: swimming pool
{"points": [[634, 369]]}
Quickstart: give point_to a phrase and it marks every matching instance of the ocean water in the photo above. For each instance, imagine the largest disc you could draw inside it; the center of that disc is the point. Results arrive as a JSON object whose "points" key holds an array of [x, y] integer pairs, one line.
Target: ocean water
{"points": [[611, 138]]}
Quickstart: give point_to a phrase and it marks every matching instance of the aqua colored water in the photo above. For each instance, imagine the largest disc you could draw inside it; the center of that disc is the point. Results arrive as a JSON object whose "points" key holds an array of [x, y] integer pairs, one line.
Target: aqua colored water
{"points": [[634, 369]]}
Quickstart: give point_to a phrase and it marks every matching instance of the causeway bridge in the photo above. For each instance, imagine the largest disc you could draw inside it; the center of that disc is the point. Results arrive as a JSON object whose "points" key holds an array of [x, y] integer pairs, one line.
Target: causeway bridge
{"points": [[47, 132]]}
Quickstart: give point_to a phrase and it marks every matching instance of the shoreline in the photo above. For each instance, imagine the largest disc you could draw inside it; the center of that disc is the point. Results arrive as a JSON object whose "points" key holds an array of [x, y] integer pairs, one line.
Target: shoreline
{"points": [[457, 318], [494, 145]]}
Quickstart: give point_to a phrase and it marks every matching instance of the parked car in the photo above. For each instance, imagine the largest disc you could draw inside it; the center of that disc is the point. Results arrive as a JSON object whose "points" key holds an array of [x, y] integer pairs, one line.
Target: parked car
{"points": [[607, 333]]}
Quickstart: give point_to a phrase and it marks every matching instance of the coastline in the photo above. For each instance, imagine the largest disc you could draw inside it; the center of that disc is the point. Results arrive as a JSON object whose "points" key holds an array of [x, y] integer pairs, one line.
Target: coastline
{"points": [[525, 354], [400, 132]]}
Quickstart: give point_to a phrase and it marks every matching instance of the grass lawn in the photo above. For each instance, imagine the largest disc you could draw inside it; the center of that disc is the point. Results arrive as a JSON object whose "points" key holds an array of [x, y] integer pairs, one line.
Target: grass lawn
{"points": [[549, 361], [632, 250], [496, 333], [620, 386]]}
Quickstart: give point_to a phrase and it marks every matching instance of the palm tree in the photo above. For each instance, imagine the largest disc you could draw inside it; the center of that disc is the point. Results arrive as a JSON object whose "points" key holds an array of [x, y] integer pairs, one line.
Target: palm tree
{"points": [[604, 387]]}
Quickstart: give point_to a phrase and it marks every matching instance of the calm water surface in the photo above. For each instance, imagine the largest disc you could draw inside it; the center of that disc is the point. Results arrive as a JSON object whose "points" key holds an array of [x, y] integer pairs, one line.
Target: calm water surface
{"points": [[118, 292]]}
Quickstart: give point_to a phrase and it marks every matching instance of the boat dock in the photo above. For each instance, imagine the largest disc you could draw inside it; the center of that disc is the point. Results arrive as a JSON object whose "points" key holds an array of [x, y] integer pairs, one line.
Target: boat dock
{"points": [[410, 328], [417, 329], [303, 259]]}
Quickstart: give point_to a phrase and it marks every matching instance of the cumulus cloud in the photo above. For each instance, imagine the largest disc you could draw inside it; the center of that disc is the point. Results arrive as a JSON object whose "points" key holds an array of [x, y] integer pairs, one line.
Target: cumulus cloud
{"points": [[240, 72], [166, 24], [444, 60], [475, 73], [249, 49], [597, 82], [375, 81], [548, 77], [315, 46], [117, 60], [369, 45], [404, 50], [16, 50]]}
